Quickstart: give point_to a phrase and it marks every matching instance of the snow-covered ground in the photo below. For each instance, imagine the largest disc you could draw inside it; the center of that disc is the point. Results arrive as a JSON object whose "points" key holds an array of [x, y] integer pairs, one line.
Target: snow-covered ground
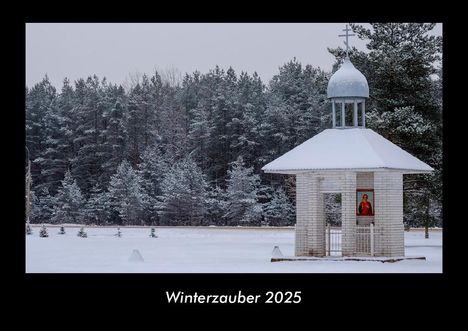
{"points": [[203, 250]]}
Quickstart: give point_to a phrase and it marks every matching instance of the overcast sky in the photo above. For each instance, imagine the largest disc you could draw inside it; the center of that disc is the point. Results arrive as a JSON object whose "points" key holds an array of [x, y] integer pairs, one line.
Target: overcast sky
{"points": [[77, 50]]}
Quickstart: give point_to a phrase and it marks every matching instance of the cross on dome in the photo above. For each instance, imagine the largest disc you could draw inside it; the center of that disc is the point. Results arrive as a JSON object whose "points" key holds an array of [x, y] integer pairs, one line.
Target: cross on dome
{"points": [[347, 35]]}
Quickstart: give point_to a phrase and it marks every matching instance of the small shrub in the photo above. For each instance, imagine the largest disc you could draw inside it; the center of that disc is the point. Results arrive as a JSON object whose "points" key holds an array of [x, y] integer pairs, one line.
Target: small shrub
{"points": [[43, 232], [82, 233]]}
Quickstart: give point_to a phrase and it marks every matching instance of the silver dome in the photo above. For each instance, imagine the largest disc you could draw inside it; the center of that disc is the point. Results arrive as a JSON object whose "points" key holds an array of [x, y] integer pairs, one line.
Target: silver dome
{"points": [[347, 82]]}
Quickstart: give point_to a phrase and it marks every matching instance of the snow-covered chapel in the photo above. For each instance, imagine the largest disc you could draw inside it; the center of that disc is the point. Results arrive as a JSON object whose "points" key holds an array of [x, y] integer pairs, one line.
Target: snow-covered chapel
{"points": [[356, 162]]}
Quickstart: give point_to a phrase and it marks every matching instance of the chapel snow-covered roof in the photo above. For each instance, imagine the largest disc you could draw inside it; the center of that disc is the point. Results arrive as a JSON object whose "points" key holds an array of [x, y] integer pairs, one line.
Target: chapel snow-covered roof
{"points": [[347, 82], [343, 149]]}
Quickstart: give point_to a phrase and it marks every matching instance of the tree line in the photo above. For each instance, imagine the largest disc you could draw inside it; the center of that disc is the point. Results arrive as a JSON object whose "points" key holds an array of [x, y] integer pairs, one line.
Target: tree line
{"points": [[189, 152]]}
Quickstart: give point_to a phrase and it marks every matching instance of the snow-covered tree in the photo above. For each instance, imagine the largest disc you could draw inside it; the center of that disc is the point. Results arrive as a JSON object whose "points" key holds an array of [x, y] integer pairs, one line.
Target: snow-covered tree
{"points": [[200, 135], [173, 126], [153, 233], [183, 198], [29, 230], [126, 195], [153, 167], [215, 206], [279, 210], [60, 125], [62, 230], [114, 137], [39, 103], [82, 233], [297, 101], [68, 203], [242, 206], [42, 206], [246, 122], [90, 107], [97, 209], [43, 232], [144, 102]]}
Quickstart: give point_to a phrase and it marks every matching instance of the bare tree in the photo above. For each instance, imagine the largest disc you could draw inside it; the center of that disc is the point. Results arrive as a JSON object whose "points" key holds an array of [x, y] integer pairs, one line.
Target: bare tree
{"points": [[132, 79], [170, 76]]}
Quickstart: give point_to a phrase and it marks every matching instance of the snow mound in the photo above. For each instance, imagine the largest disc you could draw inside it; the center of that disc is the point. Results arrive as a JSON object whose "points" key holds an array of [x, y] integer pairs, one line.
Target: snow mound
{"points": [[136, 256], [276, 252]]}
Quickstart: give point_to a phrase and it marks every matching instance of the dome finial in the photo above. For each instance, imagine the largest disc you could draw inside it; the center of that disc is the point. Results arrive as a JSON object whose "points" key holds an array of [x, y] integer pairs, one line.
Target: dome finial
{"points": [[346, 42]]}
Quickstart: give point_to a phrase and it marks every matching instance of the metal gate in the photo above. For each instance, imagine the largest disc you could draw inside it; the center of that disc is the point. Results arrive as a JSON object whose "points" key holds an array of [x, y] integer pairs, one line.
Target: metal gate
{"points": [[332, 241], [365, 239], [364, 235]]}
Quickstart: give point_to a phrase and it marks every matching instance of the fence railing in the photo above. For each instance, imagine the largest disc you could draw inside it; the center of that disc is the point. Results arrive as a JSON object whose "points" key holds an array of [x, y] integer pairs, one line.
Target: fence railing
{"points": [[364, 236], [365, 239], [332, 241]]}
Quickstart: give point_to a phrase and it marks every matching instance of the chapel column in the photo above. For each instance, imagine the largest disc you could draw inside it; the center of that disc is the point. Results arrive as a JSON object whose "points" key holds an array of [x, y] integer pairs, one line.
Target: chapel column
{"points": [[348, 214], [316, 224], [388, 200], [303, 185]]}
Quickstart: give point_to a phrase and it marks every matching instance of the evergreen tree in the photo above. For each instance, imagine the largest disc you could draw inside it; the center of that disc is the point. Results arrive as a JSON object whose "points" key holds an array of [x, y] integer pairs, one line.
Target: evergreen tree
{"points": [[296, 108], [43, 232], [215, 206], [68, 203], [58, 144], [279, 210], [143, 116], [302, 96], [97, 209], [209, 134], [152, 169], [29, 230], [126, 195], [153, 233], [90, 106], [82, 233], [250, 107], [42, 206], [62, 230], [114, 137], [39, 102], [183, 198], [174, 124], [200, 136], [52, 162], [242, 206]]}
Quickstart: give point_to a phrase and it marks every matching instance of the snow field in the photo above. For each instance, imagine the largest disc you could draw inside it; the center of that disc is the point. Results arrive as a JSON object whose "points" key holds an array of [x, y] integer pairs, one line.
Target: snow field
{"points": [[203, 250]]}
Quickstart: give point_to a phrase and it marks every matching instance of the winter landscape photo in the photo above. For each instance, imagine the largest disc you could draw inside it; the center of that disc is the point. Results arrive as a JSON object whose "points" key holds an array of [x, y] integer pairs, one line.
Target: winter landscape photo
{"points": [[233, 148]]}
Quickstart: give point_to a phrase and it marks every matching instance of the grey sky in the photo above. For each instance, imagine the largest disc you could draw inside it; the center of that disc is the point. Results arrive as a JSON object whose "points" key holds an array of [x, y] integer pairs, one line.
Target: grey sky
{"points": [[77, 50]]}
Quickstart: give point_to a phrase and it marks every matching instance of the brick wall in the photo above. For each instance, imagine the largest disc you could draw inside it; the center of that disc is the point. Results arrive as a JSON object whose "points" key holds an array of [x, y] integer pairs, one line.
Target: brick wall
{"points": [[388, 206], [388, 191], [348, 214]]}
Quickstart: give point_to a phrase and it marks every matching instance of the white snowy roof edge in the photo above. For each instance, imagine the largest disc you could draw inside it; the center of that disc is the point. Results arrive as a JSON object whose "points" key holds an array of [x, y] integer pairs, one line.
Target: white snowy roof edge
{"points": [[295, 171], [356, 149]]}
